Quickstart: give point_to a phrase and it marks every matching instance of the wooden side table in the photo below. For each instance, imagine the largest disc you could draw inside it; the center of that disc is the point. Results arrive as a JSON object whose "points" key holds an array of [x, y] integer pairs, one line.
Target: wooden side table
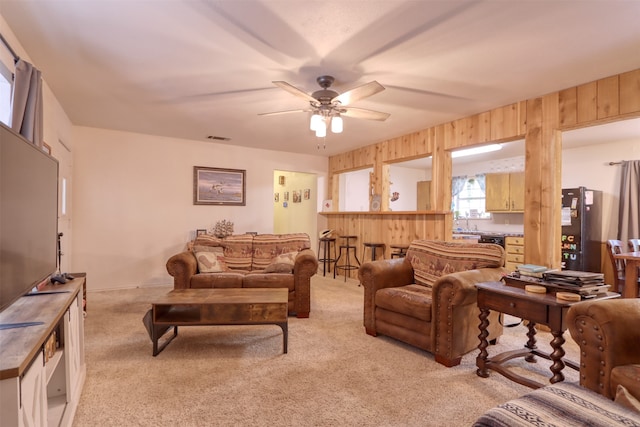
{"points": [[543, 309]]}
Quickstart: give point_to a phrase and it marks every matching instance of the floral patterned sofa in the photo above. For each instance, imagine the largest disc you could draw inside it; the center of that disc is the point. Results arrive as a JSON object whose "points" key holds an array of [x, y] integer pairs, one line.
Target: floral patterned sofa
{"points": [[249, 261], [428, 299]]}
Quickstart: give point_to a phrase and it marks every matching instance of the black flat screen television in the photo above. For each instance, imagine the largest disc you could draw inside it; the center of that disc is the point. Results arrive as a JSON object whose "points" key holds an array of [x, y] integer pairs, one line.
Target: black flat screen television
{"points": [[28, 216]]}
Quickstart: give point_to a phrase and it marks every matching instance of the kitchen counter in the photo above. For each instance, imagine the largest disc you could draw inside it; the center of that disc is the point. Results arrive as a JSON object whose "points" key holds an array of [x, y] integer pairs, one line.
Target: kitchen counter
{"points": [[478, 233]]}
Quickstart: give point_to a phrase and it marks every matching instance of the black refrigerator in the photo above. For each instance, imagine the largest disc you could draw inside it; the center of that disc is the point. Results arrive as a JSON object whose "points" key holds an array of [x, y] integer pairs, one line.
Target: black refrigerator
{"points": [[581, 229]]}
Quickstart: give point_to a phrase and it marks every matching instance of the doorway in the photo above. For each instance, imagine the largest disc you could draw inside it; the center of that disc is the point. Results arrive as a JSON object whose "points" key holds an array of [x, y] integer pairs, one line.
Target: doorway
{"points": [[295, 203]]}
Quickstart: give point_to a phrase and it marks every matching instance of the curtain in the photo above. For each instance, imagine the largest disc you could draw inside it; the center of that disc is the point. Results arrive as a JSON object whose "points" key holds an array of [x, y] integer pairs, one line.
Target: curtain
{"points": [[457, 184], [629, 211], [26, 102], [481, 182]]}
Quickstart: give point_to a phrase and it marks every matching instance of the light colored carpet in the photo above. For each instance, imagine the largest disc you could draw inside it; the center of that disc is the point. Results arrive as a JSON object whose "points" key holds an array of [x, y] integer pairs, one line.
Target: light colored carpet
{"points": [[333, 375]]}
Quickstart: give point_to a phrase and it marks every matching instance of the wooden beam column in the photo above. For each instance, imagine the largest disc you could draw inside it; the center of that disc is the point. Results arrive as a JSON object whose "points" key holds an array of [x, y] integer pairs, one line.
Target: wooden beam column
{"points": [[543, 185]]}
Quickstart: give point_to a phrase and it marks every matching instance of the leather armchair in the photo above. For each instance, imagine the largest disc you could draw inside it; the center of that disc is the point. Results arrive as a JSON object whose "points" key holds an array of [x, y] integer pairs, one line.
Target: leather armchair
{"points": [[608, 333], [422, 300]]}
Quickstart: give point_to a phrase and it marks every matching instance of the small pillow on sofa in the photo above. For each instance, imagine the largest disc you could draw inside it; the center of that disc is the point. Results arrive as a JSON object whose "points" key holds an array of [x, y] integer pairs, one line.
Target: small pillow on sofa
{"points": [[282, 263], [210, 259], [624, 398]]}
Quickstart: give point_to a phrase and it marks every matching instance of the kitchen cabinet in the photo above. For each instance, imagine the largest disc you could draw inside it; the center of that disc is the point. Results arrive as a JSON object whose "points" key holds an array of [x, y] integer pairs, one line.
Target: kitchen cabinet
{"points": [[504, 192], [424, 196], [514, 247], [42, 367]]}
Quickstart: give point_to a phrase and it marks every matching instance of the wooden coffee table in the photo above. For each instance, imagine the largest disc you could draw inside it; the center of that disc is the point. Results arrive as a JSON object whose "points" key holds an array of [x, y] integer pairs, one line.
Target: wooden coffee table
{"points": [[228, 306], [544, 309]]}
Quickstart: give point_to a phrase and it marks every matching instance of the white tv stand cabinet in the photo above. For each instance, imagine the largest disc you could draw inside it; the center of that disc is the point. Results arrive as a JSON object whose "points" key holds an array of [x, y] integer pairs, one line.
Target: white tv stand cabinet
{"points": [[35, 392]]}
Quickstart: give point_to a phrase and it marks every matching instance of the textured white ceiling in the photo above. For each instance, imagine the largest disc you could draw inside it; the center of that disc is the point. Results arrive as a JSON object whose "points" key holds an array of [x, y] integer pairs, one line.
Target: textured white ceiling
{"points": [[190, 69]]}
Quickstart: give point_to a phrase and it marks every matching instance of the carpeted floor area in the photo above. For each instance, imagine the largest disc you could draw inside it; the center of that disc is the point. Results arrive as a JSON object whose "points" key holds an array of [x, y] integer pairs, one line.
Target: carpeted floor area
{"points": [[333, 375]]}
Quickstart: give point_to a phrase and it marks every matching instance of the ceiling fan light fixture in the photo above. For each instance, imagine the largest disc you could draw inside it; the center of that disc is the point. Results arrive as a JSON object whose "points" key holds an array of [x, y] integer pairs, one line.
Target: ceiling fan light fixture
{"points": [[316, 121], [336, 124]]}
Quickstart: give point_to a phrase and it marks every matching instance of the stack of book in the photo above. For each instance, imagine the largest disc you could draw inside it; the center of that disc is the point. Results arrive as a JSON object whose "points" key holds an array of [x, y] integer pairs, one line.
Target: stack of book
{"points": [[583, 282], [532, 270]]}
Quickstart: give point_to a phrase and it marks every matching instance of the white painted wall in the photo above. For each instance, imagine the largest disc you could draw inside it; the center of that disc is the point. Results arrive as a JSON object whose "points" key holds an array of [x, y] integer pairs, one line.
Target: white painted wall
{"points": [[133, 200], [354, 191], [404, 181]]}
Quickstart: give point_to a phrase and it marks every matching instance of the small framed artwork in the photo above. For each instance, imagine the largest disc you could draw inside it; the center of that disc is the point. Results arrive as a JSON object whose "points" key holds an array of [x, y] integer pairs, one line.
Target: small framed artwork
{"points": [[200, 232], [276, 197], [307, 194], [297, 196], [286, 196], [216, 186]]}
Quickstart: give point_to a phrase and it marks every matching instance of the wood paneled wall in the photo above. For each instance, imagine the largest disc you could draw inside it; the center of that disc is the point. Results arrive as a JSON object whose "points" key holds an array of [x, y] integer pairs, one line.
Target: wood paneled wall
{"points": [[540, 121]]}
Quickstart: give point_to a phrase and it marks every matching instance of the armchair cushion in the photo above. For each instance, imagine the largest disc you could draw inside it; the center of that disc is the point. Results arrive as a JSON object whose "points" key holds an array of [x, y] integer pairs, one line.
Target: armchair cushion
{"points": [[210, 259], [432, 259], [412, 300], [268, 246], [624, 398], [627, 376], [238, 250], [282, 263]]}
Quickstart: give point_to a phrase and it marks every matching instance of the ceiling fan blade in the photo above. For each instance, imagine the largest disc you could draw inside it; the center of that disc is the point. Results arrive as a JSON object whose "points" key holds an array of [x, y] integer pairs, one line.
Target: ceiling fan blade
{"points": [[360, 113], [359, 93], [294, 90], [275, 113]]}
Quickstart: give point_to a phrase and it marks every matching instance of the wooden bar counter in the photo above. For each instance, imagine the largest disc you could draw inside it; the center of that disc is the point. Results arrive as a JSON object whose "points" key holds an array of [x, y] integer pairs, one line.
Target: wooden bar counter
{"points": [[391, 227]]}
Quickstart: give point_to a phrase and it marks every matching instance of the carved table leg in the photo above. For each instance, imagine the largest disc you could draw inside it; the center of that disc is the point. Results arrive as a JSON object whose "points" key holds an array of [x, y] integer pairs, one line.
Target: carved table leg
{"points": [[556, 357], [531, 344], [482, 358]]}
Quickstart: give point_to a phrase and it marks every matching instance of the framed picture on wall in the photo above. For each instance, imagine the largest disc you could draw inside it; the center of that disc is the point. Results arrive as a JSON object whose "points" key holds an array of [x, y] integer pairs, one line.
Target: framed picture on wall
{"points": [[307, 194], [276, 197], [216, 186], [200, 232]]}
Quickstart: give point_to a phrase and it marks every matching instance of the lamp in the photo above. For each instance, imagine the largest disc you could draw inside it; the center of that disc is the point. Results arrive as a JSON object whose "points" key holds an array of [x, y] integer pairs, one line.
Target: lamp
{"points": [[321, 129], [336, 124], [316, 120]]}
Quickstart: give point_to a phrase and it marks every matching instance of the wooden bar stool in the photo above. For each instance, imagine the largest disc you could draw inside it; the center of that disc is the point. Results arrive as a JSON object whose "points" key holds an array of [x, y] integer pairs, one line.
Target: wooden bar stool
{"points": [[373, 247], [325, 245], [398, 250], [346, 250]]}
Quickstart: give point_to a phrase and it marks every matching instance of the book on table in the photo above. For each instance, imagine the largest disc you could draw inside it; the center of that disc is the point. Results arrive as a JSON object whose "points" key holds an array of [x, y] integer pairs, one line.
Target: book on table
{"points": [[575, 278]]}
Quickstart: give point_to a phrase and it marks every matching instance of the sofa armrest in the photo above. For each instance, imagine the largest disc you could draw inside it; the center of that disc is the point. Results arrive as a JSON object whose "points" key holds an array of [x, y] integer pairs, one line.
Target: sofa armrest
{"points": [[304, 267], [455, 313], [608, 333], [375, 275], [182, 266]]}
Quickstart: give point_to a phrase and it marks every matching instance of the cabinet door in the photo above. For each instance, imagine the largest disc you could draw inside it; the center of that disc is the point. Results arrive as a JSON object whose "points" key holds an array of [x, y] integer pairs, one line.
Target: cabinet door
{"points": [[73, 345], [497, 192], [516, 191], [424, 196]]}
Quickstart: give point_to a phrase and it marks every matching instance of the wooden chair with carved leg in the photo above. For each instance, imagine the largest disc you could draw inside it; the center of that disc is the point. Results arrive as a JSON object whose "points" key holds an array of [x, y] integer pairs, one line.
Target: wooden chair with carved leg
{"points": [[616, 247], [634, 245]]}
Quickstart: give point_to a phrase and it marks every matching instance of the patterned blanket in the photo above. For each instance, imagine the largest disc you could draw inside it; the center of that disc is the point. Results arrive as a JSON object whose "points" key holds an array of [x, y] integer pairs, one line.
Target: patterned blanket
{"points": [[559, 405]]}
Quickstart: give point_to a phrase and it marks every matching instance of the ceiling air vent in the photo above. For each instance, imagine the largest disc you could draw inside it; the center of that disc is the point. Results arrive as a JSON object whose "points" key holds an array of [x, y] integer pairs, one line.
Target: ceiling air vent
{"points": [[219, 138]]}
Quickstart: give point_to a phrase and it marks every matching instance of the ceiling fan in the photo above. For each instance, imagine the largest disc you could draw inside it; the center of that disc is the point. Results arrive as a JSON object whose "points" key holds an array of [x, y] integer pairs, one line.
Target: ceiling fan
{"points": [[328, 106]]}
